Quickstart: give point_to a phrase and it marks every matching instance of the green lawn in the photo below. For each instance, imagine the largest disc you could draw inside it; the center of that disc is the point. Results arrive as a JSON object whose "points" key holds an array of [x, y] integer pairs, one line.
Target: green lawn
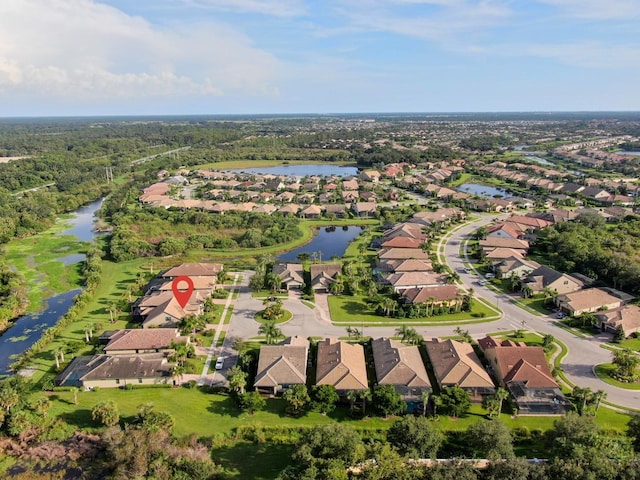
{"points": [[604, 372], [536, 304], [630, 343], [268, 293], [212, 414], [286, 316], [258, 461], [348, 310]]}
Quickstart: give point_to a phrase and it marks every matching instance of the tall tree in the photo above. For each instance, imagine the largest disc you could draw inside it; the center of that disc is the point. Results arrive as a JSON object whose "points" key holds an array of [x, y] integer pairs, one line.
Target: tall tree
{"points": [[415, 437], [297, 399]]}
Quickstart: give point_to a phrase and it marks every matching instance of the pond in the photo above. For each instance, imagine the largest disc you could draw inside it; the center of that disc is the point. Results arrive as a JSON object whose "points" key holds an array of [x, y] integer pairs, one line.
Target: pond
{"points": [[625, 152], [28, 329], [328, 242], [539, 160], [484, 190], [303, 170]]}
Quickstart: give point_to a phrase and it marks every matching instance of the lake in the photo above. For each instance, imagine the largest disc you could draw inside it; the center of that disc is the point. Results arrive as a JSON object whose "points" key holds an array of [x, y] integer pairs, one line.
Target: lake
{"points": [[484, 190], [329, 241], [624, 152], [28, 329], [302, 170]]}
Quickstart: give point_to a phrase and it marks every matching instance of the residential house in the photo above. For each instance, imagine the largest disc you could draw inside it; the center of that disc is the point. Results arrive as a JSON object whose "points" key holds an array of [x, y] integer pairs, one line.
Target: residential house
{"points": [[338, 210], [587, 300], [312, 211], [436, 295], [514, 265], [404, 280], [194, 270], [401, 366], [489, 244], [456, 364], [323, 275], [350, 185], [114, 371], [502, 253], [342, 365], [364, 209], [282, 366], [402, 242], [403, 254], [370, 176], [544, 277], [291, 275], [504, 230], [152, 340], [627, 318], [289, 210], [524, 372]]}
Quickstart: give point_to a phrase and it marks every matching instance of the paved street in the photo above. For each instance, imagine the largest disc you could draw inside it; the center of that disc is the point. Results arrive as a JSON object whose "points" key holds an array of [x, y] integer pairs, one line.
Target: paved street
{"points": [[578, 365]]}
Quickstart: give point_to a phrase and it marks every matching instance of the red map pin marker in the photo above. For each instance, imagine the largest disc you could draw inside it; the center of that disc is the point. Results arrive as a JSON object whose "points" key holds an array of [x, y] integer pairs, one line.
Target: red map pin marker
{"points": [[182, 296]]}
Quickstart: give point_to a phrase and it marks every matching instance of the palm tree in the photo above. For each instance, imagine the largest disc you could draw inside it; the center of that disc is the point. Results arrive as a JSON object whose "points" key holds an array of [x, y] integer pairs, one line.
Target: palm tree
{"points": [[113, 312], [527, 291], [270, 332], [501, 395], [365, 396], [352, 396], [403, 332], [598, 396], [178, 371], [424, 398]]}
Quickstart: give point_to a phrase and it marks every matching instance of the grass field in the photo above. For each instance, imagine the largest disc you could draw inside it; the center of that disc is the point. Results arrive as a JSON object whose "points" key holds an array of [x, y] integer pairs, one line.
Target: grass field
{"points": [[36, 258], [630, 343], [212, 414], [348, 310]]}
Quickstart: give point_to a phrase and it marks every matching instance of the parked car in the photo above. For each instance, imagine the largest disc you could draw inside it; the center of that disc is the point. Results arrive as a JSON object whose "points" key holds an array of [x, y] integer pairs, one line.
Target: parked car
{"points": [[219, 363], [482, 282], [561, 315], [489, 275]]}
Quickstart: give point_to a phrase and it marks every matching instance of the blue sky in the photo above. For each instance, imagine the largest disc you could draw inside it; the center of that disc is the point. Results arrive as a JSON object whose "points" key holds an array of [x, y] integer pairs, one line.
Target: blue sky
{"points": [[91, 57]]}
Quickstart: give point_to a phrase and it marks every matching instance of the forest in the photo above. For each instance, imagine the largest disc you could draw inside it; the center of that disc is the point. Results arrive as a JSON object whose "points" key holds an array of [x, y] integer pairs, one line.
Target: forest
{"points": [[609, 253]]}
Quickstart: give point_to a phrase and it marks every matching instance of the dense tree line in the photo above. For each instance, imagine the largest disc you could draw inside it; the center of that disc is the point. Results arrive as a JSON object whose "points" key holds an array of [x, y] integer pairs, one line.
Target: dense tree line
{"points": [[156, 231], [577, 448], [12, 295], [382, 155], [609, 253]]}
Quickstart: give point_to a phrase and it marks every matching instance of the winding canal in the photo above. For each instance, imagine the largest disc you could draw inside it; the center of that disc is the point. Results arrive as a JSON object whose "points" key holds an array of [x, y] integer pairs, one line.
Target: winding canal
{"points": [[27, 329]]}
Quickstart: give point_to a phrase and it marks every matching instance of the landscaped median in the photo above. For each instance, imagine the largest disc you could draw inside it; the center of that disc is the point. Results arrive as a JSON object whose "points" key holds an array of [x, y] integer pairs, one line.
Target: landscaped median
{"points": [[344, 309], [605, 373]]}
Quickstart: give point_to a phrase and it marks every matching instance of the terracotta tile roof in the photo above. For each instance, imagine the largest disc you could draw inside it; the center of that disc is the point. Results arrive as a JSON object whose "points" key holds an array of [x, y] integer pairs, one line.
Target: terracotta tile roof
{"points": [[194, 269], [455, 363], [402, 242], [399, 364], [410, 265], [497, 242], [342, 365], [408, 279], [500, 253], [590, 298], [402, 253], [627, 317], [144, 339], [440, 293], [523, 364]]}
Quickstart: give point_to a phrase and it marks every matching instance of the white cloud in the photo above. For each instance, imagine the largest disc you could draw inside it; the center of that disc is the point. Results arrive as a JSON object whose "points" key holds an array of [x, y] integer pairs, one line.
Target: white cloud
{"points": [[433, 20], [84, 49], [597, 9], [278, 8]]}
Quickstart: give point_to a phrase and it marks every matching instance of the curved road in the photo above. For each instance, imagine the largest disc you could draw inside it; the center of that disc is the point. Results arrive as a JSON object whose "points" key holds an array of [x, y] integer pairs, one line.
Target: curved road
{"points": [[577, 365], [583, 354]]}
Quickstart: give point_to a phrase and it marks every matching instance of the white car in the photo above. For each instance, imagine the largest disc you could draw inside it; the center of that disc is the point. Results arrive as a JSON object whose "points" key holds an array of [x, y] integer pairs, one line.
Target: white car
{"points": [[489, 275], [482, 283], [219, 363]]}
